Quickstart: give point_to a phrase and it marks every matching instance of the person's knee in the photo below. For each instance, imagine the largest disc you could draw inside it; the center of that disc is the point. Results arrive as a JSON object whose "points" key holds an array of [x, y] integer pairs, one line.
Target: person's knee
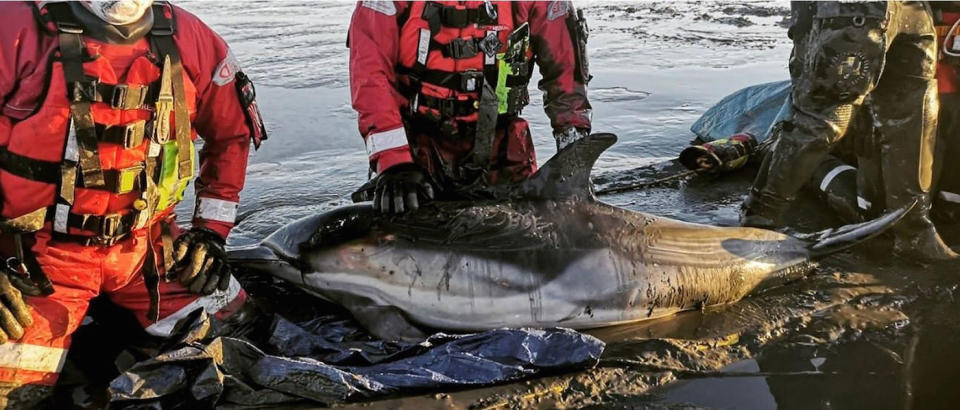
{"points": [[845, 55], [802, 134]]}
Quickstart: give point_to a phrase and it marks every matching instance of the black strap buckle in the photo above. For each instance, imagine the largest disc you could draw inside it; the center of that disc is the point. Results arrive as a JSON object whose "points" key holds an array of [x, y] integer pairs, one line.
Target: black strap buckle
{"points": [[471, 80], [162, 25], [127, 136], [162, 31], [109, 226], [459, 48], [119, 97], [133, 134], [125, 97]]}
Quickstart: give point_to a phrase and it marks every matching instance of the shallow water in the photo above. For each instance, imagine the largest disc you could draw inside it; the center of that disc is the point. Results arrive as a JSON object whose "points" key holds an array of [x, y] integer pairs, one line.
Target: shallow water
{"points": [[861, 333], [656, 68]]}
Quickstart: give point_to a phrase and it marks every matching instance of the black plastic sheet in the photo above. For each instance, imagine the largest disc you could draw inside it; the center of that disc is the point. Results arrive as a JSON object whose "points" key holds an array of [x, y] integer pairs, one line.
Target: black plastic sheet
{"points": [[330, 360]]}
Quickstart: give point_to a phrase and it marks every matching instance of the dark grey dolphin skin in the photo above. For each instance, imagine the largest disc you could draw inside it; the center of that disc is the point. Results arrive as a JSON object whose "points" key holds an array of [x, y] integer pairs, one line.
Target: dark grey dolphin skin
{"points": [[544, 253]]}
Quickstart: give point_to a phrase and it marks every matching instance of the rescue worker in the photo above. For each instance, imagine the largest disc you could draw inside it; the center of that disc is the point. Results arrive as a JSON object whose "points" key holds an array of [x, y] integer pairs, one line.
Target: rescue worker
{"points": [[946, 208], [863, 58], [101, 103], [438, 87]]}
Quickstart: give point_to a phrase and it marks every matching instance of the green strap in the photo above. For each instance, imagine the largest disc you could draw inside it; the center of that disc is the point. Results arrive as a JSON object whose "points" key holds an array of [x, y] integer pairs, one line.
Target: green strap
{"points": [[162, 34], [181, 121]]}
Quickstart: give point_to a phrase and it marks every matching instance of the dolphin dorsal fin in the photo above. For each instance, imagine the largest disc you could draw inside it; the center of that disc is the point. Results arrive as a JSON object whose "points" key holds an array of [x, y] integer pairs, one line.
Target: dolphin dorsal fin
{"points": [[567, 174]]}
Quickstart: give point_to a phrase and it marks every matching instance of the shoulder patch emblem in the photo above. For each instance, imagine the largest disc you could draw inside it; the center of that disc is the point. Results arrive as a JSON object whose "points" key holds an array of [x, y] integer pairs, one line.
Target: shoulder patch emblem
{"points": [[557, 9], [385, 7], [226, 70]]}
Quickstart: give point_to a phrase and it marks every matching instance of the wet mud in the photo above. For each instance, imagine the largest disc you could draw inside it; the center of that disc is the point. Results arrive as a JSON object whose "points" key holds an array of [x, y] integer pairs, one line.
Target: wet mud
{"points": [[861, 330]]}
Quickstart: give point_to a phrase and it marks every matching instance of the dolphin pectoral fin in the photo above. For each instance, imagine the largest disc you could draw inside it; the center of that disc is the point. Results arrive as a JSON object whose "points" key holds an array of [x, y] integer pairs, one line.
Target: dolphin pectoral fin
{"points": [[834, 240], [567, 174], [385, 322]]}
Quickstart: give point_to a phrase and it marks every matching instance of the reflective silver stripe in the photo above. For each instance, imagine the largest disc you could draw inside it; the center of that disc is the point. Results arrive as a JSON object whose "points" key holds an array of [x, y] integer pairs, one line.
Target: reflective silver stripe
{"points": [[423, 46], [950, 197], [210, 303], [385, 7], [382, 141], [71, 152], [833, 174], [863, 203], [213, 209], [32, 357], [60, 217]]}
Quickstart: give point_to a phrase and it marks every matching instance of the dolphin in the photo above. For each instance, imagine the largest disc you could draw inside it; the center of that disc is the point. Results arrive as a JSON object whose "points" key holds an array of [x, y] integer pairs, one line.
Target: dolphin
{"points": [[541, 253]]}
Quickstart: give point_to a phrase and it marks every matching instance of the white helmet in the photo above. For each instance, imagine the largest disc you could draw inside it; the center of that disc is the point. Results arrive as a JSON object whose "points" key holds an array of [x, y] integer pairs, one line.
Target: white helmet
{"points": [[118, 12]]}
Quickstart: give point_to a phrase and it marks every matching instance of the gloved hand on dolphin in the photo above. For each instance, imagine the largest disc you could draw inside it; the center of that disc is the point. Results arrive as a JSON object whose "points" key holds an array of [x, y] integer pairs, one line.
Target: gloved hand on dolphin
{"points": [[201, 261], [402, 188]]}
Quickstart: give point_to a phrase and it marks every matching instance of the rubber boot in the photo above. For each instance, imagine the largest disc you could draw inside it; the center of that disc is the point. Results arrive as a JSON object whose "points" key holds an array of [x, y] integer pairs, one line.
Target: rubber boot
{"points": [[759, 213], [907, 159], [835, 182], [759, 210], [789, 164]]}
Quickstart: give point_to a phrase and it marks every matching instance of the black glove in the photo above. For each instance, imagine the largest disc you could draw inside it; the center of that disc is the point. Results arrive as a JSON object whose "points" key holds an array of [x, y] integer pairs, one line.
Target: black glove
{"points": [[201, 261], [401, 188], [14, 313]]}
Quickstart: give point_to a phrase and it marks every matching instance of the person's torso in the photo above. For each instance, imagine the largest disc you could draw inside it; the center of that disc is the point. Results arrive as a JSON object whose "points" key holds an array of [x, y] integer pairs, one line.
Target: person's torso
{"points": [[121, 88], [448, 48]]}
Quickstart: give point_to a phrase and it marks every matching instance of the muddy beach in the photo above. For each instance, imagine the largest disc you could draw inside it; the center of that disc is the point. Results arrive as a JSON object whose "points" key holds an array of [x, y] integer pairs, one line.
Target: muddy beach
{"points": [[861, 331]]}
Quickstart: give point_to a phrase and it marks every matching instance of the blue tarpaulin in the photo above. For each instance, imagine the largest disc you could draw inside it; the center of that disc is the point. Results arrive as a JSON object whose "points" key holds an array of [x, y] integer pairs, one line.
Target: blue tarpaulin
{"points": [[753, 109], [330, 360]]}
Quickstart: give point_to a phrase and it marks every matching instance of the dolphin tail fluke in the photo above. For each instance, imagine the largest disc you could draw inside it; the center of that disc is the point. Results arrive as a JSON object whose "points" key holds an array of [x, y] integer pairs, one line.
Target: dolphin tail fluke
{"points": [[567, 174], [830, 241]]}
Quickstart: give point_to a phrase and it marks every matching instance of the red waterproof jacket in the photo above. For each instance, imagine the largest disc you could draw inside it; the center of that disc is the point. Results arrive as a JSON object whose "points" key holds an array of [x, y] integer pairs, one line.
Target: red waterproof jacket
{"points": [[29, 54], [387, 38]]}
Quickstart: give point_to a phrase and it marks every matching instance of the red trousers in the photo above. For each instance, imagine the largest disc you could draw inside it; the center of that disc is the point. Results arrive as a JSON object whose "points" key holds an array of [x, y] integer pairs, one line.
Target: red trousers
{"points": [[79, 273]]}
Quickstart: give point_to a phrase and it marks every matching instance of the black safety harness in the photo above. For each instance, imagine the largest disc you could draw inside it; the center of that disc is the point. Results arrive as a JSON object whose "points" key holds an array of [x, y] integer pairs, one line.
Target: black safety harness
{"points": [[81, 149], [482, 82]]}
